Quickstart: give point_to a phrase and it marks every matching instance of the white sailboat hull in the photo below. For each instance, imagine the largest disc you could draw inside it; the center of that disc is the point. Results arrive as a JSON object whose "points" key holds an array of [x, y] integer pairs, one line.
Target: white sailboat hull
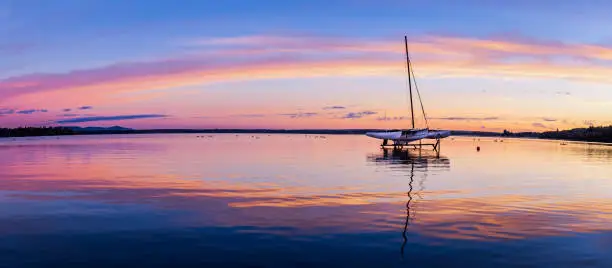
{"points": [[401, 136], [386, 135]]}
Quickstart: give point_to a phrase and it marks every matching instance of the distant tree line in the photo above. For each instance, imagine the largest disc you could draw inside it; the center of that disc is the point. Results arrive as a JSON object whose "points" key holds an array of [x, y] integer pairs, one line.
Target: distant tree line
{"points": [[595, 134], [35, 131], [507, 133]]}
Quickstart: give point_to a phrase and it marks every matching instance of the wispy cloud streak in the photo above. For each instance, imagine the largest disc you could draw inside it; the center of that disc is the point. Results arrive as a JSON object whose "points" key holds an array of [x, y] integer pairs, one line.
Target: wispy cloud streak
{"points": [[335, 107], [5, 111], [263, 57], [68, 115], [538, 125], [249, 115], [31, 111], [357, 115], [300, 114], [492, 118], [109, 118], [392, 118]]}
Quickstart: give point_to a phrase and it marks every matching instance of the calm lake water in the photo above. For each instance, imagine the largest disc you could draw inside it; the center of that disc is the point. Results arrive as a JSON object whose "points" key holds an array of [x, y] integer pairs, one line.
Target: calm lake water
{"points": [[302, 201]]}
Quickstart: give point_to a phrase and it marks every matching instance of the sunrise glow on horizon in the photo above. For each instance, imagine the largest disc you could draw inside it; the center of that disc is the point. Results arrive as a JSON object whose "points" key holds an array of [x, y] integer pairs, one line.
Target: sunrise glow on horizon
{"points": [[525, 66]]}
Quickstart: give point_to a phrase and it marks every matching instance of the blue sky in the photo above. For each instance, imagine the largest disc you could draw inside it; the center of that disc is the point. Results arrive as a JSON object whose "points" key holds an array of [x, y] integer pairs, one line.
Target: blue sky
{"points": [[71, 40]]}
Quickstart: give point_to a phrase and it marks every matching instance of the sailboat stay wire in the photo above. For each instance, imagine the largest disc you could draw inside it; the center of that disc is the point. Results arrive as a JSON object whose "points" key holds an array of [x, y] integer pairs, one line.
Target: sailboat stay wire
{"points": [[418, 94], [407, 86], [410, 71]]}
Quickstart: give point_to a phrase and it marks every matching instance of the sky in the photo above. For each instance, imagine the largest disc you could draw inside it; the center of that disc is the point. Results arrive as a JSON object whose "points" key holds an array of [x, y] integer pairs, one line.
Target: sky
{"points": [[335, 64]]}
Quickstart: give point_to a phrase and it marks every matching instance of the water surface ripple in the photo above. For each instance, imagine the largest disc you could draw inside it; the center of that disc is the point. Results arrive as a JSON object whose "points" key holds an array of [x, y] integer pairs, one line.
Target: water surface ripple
{"points": [[261, 200]]}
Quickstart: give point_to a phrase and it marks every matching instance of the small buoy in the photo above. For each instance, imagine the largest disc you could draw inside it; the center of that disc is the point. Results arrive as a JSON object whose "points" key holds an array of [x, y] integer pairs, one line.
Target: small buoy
{"points": [[478, 148]]}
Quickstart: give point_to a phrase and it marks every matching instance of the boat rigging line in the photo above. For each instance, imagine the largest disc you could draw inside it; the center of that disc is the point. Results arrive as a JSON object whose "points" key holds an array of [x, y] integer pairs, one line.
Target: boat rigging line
{"points": [[412, 77]]}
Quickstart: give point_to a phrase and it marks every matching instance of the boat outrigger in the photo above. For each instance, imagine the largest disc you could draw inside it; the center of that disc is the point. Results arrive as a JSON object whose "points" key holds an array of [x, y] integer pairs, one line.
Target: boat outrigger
{"points": [[402, 137]]}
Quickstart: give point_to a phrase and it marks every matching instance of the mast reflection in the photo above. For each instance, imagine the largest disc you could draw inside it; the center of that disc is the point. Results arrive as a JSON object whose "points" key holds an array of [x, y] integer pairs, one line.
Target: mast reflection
{"points": [[412, 161], [407, 222]]}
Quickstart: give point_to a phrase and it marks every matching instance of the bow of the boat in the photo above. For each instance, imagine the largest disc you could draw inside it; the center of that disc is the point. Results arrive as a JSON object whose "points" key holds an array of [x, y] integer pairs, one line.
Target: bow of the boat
{"points": [[384, 135]]}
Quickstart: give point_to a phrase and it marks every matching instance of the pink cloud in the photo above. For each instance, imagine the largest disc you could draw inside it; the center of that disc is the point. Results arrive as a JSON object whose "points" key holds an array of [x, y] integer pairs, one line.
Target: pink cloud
{"points": [[272, 57]]}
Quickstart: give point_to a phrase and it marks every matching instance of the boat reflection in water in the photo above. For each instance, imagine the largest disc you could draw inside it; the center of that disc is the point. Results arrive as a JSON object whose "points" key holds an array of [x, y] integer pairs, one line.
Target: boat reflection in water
{"points": [[415, 162]]}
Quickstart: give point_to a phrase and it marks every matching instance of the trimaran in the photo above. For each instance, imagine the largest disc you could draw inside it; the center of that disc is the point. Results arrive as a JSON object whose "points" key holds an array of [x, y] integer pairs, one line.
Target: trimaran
{"points": [[402, 137]]}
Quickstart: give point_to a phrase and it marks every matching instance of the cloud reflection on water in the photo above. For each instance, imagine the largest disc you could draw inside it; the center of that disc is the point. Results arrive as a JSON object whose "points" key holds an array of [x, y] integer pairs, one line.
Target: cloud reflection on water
{"points": [[119, 175]]}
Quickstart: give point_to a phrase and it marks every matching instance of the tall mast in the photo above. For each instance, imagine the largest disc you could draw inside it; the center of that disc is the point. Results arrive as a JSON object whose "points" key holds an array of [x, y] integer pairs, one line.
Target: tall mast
{"points": [[409, 80]]}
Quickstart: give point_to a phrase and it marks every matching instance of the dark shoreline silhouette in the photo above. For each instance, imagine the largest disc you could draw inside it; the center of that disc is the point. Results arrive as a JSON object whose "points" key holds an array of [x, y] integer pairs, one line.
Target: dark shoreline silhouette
{"points": [[36, 131], [591, 134]]}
